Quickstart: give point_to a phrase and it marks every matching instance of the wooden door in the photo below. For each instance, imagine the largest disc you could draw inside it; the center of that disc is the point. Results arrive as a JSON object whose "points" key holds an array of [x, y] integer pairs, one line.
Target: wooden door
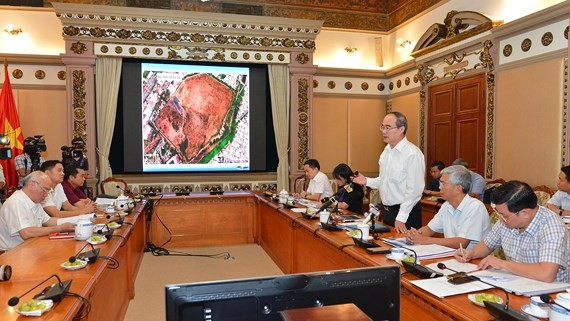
{"points": [[456, 122]]}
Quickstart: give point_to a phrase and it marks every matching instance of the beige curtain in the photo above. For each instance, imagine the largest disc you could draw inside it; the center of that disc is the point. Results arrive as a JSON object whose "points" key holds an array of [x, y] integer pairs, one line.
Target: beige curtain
{"points": [[107, 79], [280, 88]]}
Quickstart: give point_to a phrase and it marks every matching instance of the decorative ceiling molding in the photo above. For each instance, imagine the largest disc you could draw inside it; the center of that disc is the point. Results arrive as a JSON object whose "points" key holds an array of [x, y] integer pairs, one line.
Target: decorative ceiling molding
{"points": [[457, 26], [368, 15], [170, 27]]}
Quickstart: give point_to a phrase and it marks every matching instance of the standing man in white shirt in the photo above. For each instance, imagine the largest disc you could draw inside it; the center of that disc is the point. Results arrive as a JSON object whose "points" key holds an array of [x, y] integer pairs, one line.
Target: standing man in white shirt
{"points": [[401, 179], [319, 184]]}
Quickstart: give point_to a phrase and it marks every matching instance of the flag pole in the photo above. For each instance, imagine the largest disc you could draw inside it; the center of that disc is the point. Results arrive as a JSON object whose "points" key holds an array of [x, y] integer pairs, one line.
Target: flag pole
{"points": [[5, 62]]}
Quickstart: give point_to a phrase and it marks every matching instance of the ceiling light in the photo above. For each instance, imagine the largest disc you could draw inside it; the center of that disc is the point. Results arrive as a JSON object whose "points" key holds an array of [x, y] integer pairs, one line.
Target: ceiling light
{"points": [[350, 50], [13, 30]]}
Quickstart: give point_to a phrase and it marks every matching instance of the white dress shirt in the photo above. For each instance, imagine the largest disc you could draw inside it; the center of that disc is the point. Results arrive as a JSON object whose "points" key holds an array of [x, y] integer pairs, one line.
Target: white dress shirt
{"points": [[55, 198], [17, 213], [401, 179], [470, 220], [320, 184]]}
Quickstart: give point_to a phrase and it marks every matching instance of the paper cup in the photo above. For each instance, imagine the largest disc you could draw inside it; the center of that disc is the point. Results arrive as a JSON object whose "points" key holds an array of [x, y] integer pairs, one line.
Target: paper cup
{"points": [[397, 253], [364, 230], [324, 216]]}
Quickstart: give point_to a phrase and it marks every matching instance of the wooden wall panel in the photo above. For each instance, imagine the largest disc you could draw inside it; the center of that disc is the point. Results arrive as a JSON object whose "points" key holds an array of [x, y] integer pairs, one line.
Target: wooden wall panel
{"points": [[409, 105], [528, 122], [329, 132], [33, 107], [365, 138], [347, 130]]}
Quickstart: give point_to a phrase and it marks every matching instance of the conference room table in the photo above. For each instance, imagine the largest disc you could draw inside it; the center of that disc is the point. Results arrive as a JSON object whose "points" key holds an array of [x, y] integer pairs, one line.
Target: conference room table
{"points": [[294, 243], [108, 290]]}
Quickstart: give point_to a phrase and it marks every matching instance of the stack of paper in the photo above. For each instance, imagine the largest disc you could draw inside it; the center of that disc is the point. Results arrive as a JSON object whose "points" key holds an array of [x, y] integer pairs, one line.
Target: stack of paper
{"points": [[428, 251], [499, 278]]}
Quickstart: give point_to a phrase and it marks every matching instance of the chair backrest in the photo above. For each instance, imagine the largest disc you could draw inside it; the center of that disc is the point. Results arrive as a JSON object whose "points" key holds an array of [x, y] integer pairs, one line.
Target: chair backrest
{"points": [[113, 186], [301, 184], [543, 193]]}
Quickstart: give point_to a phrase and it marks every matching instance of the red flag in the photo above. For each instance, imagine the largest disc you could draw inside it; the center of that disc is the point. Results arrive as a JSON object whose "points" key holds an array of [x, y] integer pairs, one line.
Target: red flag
{"points": [[10, 127]]}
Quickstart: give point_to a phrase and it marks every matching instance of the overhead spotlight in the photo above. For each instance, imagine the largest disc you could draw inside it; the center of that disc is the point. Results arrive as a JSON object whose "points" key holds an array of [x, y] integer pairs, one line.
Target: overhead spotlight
{"points": [[14, 31], [351, 50]]}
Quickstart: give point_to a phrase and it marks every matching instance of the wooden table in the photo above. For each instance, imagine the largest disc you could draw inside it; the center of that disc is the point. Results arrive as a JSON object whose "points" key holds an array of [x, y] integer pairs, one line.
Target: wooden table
{"points": [[429, 209], [295, 244], [298, 245], [108, 290]]}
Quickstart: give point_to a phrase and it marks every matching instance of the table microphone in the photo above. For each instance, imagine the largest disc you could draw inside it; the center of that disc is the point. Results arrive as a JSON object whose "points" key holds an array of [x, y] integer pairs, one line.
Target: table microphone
{"points": [[120, 220], [90, 256], [499, 311], [423, 272], [548, 299], [54, 292], [346, 188], [108, 233]]}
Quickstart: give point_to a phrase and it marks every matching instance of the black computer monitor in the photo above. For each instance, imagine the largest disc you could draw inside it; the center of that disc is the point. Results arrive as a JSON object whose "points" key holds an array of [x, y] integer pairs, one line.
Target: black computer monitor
{"points": [[375, 290]]}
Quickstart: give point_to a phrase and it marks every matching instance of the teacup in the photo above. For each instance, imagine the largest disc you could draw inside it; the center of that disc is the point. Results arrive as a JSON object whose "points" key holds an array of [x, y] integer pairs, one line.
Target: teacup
{"points": [[538, 307], [397, 253], [99, 227]]}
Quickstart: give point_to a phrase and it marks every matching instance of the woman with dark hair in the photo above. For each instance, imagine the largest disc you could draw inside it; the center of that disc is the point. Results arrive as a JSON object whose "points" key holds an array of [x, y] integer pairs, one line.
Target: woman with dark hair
{"points": [[351, 201]]}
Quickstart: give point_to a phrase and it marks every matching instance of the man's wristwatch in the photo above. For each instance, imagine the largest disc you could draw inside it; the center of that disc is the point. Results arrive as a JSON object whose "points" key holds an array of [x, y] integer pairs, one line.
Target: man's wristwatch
{"points": [[561, 211]]}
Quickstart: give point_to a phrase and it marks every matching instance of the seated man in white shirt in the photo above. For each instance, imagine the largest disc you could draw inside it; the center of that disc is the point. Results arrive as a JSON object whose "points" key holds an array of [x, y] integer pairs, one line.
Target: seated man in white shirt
{"points": [[22, 216], [559, 203], [462, 219], [319, 184], [56, 203]]}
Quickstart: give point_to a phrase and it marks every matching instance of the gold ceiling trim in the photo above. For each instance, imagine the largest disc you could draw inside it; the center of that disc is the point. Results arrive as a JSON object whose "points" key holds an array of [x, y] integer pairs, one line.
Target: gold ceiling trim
{"points": [[188, 38], [215, 54], [439, 35]]}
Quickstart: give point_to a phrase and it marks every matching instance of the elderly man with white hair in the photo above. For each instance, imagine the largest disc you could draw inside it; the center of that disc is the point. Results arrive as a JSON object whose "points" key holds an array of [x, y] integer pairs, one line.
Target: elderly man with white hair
{"points": [[463, 220]]}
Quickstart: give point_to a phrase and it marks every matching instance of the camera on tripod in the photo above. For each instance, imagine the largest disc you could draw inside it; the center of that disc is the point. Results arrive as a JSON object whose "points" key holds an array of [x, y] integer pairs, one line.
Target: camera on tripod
{"points": [[5, 152], [68, 153], [33, 146]]}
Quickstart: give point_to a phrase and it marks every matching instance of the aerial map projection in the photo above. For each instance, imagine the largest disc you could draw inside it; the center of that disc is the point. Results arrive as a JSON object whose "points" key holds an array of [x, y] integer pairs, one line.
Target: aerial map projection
{"points": [[195, 118]]}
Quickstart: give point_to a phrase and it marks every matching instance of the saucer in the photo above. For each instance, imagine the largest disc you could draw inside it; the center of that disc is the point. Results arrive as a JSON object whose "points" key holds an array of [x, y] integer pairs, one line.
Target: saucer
{"points": [[526, 309], [473, 299]]}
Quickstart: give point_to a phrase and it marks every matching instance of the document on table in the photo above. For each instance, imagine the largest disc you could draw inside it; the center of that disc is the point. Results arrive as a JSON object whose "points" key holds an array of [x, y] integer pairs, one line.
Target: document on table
{"points": [[105, 201], [74, 219], [441, 288], [519, 285], [512, 283], [428, 251]]}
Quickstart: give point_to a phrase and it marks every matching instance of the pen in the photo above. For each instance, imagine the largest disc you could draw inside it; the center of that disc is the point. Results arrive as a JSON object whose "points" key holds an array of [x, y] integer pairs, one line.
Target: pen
{"points": [[461, 249]]}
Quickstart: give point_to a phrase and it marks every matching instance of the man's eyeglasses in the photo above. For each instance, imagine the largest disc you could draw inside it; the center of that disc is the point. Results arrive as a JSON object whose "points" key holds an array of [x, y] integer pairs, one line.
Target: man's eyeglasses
{"points": [[45, 188], [387, 127]]}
